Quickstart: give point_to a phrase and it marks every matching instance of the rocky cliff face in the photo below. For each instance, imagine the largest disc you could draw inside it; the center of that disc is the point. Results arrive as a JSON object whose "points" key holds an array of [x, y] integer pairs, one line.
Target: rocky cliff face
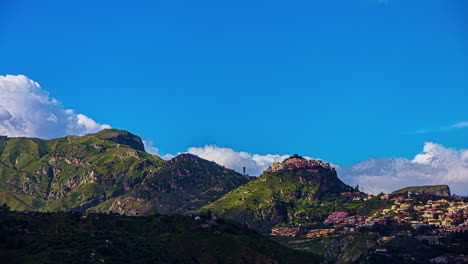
{"points": [[110, 167], [286, 194]]}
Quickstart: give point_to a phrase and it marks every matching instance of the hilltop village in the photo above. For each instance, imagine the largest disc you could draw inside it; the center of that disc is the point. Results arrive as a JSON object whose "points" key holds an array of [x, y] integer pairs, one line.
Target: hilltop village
{"points": [[299, 202], [298, 162], [430, 219]]}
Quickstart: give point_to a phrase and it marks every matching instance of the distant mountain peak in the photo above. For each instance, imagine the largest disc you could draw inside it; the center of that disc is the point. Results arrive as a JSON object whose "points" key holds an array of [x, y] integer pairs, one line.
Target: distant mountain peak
{"points": [[121, 137], [439, 190], [185, 156]]}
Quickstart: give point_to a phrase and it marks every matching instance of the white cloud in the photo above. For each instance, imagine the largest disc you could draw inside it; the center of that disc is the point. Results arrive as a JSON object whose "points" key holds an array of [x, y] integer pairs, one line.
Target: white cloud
{"points": [[4, 114], [27, 110], [462, 124], [255, 164], [434, 165], [167, 156], [150, 148]]}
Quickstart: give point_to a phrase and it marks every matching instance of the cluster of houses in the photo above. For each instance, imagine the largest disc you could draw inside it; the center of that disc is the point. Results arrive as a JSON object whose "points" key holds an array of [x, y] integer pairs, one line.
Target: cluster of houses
{"points": [[442, 216], [451, 216], [342, 222], [351, 223], [298, 232], [315, 233], [357, 196], [285, 231], [298, 162]]}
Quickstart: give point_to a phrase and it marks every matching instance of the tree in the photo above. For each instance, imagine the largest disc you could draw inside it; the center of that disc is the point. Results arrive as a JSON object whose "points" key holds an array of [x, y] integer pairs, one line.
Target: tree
{"points": [[5, 207]]}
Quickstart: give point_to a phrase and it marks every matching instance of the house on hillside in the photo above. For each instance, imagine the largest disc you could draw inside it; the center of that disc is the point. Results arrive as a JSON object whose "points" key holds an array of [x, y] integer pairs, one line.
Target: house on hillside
{"points": [[285, 231]]}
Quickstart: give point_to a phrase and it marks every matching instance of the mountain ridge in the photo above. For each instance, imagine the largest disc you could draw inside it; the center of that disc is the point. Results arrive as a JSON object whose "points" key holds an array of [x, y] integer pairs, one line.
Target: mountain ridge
{"points": [[194, 182], [287, 192], [438, 190], [82, 172]]}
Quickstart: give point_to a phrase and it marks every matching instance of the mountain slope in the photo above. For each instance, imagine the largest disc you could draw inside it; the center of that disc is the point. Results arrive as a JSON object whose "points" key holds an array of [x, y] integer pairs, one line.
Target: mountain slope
{"points": [[90, 169], [185, 183], [439, 190], [287, 192], [110, 170], [102, 238]]}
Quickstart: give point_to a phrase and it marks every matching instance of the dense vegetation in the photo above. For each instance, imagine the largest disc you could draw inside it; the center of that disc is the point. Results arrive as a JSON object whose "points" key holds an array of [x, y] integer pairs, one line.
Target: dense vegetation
{"points": [[283, 197], [185, 183], [108, 170], [101, 238]]}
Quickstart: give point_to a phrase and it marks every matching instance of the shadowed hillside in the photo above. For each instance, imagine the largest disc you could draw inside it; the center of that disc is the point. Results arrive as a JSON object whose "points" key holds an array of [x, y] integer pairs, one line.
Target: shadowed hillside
{"points": [[101, 238]]}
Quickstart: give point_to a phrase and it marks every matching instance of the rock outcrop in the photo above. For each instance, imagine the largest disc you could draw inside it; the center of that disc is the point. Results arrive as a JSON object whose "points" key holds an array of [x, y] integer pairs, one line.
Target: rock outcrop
{"points": [[438, 190]]}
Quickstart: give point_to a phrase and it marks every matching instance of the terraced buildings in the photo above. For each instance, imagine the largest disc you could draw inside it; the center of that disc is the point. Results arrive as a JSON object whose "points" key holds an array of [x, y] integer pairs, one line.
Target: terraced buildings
{"points": [[298, 162]]}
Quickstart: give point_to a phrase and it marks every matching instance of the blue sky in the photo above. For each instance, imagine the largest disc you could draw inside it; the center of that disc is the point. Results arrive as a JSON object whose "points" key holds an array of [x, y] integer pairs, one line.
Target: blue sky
{"points": [[341, 80]]}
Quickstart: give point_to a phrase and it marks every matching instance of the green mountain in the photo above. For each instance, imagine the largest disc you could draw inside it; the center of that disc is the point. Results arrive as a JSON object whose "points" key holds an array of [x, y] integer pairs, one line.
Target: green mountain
{"points": [[103, 238], [185, 183], [439, 190], [108, 170], [292, 192]]}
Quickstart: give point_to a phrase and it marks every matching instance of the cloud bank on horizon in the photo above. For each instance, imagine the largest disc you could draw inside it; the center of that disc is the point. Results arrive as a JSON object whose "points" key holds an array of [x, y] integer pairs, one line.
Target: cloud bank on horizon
{"points": [[436, 164], [254, 164], [28, 110]]}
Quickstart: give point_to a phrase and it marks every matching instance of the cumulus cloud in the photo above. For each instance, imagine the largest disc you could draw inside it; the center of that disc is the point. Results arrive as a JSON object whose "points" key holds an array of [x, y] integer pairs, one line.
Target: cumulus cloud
{"points": [[436, 164], [27, 110], [150, 148], [167, 156], [4, 114], [255, 164]]}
